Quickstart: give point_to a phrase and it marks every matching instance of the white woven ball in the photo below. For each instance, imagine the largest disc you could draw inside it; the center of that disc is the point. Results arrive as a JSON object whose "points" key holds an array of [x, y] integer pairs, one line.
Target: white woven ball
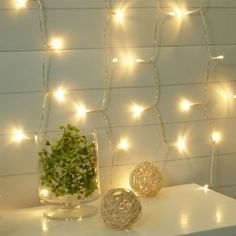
{"points": [[120, 208], [146, 179]]}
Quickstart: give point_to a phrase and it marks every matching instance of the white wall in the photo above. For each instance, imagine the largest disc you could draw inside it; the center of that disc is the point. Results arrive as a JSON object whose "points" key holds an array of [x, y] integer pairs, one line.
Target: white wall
{"points": [[81, 68]]}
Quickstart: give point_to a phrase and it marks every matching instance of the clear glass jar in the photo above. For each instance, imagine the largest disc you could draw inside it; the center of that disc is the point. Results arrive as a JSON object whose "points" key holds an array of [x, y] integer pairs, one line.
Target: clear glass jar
{"points": [[68, 174]]}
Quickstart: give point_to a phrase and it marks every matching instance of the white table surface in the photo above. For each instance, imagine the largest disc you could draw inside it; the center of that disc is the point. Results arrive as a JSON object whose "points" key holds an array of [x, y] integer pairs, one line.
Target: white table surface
{"points": [[179, 210]]}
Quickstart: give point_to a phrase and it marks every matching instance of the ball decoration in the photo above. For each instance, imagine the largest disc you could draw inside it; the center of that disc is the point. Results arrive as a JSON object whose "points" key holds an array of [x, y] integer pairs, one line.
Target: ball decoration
{"points": [[146, 179], [120, 208]]}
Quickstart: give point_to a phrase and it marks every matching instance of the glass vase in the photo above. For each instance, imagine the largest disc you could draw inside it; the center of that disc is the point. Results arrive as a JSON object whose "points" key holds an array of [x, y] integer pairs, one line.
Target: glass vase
{"points": [[68, 174]]}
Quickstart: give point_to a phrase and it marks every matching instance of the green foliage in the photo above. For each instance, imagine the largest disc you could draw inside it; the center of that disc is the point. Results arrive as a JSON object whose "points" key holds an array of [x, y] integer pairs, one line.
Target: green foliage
{"points": [[68, 166]]}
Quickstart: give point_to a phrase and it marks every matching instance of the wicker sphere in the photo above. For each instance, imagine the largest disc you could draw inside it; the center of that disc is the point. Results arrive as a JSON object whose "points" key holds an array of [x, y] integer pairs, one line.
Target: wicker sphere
{"points": [[120, 208], [146, 179]]}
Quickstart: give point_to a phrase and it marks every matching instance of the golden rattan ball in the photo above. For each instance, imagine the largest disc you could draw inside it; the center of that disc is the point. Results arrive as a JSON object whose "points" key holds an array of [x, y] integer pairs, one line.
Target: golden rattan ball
{"points": [[146, 179], [120, 208]]}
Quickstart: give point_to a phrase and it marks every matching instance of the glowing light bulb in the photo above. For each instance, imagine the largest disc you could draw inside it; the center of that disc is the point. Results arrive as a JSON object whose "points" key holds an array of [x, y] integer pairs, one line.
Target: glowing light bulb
{"points": [[181, 144], [220, 57], [18, 136], [185, 105], [179, 13], [123, 144], [115, 60], [119, 15], [234, 96], [138, 60], [56, 44], [60, 94], [137, 111], [215, 137], [43, 193], [128, 61], [81, 111], [21, 3]]}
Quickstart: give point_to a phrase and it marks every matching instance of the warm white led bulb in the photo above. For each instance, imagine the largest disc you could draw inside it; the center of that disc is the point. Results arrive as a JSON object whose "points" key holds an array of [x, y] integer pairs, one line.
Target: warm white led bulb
{"points": [[21, 3], [81, 111], [215, 137], [60, 94], [123, 144], [56, 44], [185, 105], [114, 60], [181, 144], [43, 192], [178, 13], [137, 111], [138, 60], [18, 136], [220, 57], [119, 15]]}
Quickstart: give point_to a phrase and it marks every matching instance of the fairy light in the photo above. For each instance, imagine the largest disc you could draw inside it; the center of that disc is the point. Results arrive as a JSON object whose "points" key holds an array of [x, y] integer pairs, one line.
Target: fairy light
{"points": [[234, 96], [59, 94], [43, 193], [21, 3], [56, 44], [128, 61], [216, 137], [123, 144], [178, 12], [185, 105], [137, 110], [181, 144], [115, 60], [220, 57], [18, 136], [81, 111], [119, 15], [139, 60]]}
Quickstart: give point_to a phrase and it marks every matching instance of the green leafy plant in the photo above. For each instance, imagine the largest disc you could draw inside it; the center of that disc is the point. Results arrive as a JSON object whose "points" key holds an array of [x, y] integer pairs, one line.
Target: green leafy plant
{"points": [[68, 166]]}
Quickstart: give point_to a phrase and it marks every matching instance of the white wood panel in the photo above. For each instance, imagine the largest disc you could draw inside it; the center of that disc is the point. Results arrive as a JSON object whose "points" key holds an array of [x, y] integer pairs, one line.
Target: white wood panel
{"points": [[17, 158], [20, 72], [73, 68], [20, 110], [85, 69], [90, 35], [117, 3]]}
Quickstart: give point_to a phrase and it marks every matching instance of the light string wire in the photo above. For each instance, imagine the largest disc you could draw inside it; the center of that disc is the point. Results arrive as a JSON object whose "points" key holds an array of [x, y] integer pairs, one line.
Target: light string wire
{"points": [[157, 79], [107, 82], [45, 75], [205, 94]]}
